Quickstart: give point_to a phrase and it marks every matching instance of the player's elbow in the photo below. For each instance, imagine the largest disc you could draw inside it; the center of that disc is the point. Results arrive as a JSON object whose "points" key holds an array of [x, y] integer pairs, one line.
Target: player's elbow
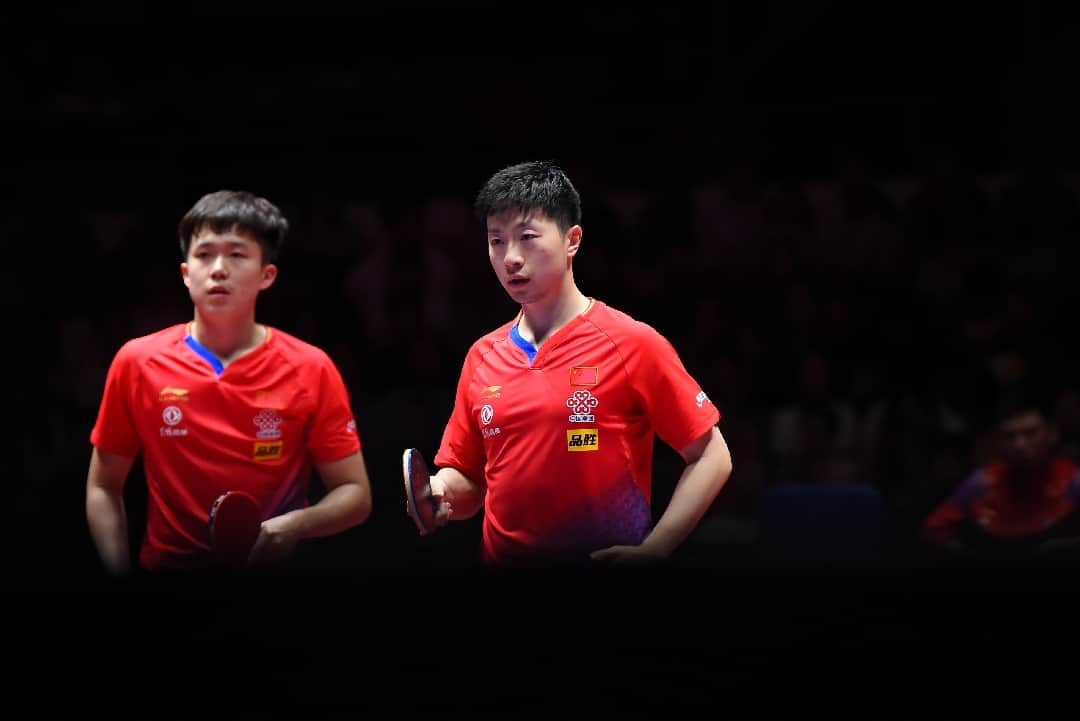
{"points": [[723, 473], [721, 458], [352, 503], [99, 500], [727, 465], [362, 506]]}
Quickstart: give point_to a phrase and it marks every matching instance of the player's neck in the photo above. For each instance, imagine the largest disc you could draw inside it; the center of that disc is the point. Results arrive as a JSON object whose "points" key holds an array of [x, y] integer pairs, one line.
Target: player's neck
{"points": [[226, 338], [540, 321]]}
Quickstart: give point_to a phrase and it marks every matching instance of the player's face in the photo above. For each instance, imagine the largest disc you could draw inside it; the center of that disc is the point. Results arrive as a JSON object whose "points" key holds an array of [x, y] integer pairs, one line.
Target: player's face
{"points": [[531, 255], [1028, 439], [224, 272]]}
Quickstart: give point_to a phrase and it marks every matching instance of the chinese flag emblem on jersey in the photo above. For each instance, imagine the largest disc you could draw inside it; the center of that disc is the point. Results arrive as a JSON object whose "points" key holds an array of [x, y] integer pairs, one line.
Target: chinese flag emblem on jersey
{"points": [[584, 375]]}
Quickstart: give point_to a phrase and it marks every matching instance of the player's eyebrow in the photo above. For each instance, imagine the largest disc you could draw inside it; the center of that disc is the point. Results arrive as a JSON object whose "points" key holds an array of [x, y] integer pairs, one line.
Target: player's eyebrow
{"points": [[214, 241], [525, 224]]}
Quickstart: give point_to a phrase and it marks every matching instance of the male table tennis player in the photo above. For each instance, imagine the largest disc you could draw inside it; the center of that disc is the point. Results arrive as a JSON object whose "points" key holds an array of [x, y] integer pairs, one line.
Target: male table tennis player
{"points": [[556, 411], [224, 403]]}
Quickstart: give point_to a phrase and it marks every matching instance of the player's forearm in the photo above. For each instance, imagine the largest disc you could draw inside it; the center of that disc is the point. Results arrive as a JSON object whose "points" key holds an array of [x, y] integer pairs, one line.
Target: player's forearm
{"points": [[465, 496], [106, 516], [696, 490], [340, 509]]}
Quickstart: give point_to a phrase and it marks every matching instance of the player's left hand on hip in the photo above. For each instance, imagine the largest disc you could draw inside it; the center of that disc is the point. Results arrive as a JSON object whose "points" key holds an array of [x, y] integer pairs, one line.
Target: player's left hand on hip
{"points": [[627, 556]]}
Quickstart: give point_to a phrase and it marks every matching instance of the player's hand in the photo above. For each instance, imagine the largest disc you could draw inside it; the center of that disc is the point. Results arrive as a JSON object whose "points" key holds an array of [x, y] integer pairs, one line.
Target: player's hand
{"points": [[443, 510], [276, 542], [628, 556], [426, 500], [433, 505]]}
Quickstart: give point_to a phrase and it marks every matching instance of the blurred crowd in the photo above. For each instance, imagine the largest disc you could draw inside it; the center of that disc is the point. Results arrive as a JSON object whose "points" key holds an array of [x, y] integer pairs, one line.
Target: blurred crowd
{"points": [[854, 330]]}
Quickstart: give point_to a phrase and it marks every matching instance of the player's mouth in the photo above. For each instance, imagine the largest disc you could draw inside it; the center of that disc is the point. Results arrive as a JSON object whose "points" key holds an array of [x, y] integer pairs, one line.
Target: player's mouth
{"points": [[218, 290], [517, 282]]}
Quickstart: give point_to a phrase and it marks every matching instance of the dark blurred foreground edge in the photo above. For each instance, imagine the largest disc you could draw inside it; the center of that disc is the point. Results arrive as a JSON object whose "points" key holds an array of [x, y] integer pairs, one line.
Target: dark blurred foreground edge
{"points": [[767, 637]]}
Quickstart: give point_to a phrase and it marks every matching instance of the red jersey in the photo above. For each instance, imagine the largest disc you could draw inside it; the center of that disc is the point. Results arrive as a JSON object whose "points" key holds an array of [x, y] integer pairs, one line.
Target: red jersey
{"points": [[986, 508], [257, 425], [563, 437]]}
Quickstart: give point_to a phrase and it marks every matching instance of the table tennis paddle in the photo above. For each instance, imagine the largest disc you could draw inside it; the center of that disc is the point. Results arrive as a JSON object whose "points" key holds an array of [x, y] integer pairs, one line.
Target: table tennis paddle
{"points": [[235, 522], [420, 502]]}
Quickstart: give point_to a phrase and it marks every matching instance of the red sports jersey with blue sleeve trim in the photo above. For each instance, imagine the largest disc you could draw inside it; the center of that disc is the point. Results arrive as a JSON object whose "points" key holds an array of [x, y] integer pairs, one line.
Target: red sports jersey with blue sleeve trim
{"points": [[256, 425], [564, 443]]}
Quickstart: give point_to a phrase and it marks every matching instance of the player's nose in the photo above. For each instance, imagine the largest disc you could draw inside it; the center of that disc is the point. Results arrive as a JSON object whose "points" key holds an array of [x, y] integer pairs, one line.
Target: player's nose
{"points": [[218, 269]]}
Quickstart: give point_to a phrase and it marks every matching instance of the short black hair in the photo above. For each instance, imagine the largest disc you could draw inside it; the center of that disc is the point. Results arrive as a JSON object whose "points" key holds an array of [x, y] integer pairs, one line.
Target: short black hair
{"points": [[1022, 399], [533, 185], [227, 210]]}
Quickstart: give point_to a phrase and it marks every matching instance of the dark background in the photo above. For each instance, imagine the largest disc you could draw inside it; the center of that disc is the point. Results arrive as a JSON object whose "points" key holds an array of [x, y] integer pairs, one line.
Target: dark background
{"points": [[871, 207]]}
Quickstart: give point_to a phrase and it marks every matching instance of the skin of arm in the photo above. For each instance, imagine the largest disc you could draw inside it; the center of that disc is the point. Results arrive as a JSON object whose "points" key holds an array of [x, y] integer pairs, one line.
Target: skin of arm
{"points": [[106, 513], [347, 503], [708, 467]]}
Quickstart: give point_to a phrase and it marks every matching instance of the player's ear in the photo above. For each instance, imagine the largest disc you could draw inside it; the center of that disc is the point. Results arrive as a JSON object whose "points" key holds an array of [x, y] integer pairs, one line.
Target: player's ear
{"points": [[269, 274], [184, 274], [573, 238]]}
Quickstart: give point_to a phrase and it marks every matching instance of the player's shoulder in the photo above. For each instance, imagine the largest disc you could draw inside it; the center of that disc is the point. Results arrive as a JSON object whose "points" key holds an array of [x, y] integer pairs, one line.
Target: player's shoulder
{"points": [[296, 349], [621, 327], [151, 344], [987, 474], [975, 485], [982, 478], [485, 343]]}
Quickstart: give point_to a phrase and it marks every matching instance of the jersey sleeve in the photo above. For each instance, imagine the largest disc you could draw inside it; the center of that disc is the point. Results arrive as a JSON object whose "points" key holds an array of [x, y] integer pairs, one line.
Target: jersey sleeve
{"points": [[333, 433], [114, 430], [678, 408], [462, 448]]}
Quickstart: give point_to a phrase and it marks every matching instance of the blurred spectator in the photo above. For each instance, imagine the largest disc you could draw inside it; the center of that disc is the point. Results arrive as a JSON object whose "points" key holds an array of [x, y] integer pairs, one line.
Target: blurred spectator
{"points": [[1023, 503], [1067, 420], [811, 437]]}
